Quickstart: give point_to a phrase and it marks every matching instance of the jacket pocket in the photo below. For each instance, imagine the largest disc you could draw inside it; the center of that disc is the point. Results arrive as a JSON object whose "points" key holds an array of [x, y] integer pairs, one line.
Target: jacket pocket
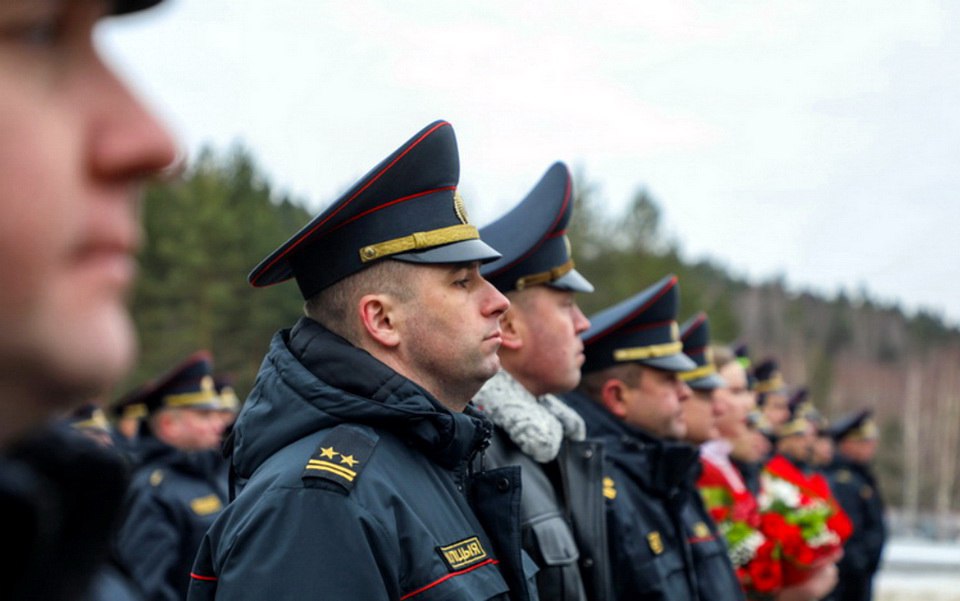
{"points": [[555, 542]]}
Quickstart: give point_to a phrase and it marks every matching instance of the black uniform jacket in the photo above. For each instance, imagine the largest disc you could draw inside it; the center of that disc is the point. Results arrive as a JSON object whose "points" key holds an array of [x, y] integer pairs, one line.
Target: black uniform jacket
{"points": [[563, 522], [174, 497], [855, 488], [60, 495], [663, 544], [354, 484]]}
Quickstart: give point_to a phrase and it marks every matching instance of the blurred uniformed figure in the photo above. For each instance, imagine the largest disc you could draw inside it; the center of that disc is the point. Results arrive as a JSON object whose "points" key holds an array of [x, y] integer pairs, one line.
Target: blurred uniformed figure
{"points": [[771, 392], [631, 397], [823, 446], [855, 487], [91, 421], [180, 484], [562, 502], [750, 450], [707, 405], [75, 148], [127, 413], [795, 436], [229, 403], [354, 452]]}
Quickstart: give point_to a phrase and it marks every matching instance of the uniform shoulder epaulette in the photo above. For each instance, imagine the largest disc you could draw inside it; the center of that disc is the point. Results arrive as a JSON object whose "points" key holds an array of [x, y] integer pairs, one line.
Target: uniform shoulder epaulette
{"points": [[341, 456]]}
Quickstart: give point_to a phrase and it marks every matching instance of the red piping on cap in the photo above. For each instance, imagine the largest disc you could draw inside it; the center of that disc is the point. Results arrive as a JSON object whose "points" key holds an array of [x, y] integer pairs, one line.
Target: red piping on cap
{"points": [[644, 307]]}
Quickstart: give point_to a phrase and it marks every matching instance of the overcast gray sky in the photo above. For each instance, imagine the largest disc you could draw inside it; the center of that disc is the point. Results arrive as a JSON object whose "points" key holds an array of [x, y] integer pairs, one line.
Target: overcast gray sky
{"points": [[814, 139]]}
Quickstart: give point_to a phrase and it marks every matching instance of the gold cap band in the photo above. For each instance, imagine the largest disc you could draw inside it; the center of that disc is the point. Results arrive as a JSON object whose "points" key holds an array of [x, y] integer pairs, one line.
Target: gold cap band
{"points": [[695, 374], [772, 385], [188, 399], [646, 352], [134, 411], [96, 421], [419, 241], [545, 277]]}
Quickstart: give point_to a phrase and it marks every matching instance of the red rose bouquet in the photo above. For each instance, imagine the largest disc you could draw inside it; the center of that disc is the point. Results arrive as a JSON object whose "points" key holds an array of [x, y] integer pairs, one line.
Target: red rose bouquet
{"points": [[800, 514], [755, 557]]}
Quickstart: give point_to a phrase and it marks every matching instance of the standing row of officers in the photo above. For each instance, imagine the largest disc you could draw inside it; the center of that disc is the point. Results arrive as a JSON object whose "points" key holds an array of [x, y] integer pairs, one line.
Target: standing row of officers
{"points": [[445, 423]]}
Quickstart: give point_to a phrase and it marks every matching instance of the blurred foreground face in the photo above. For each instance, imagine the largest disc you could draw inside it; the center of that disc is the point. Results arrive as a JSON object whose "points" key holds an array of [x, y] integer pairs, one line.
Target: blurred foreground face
{"points": [[74, 147]]}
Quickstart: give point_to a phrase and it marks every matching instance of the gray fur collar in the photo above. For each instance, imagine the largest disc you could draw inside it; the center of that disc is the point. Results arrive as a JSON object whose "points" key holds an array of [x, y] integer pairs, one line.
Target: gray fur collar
{"points": [[535, 424]]}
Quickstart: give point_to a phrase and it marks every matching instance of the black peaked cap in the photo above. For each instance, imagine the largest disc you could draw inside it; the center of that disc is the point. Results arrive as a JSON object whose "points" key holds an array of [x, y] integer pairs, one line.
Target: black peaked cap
{"points": [[406, 208], [768, 377], [641, 329], [695, 335], [189, 384], [533, 240], [859, 423]]}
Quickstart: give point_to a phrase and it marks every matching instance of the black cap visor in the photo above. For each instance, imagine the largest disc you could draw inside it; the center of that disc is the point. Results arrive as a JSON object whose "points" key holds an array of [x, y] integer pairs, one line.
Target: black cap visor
{"points": [[465, 251], [677, 363]]}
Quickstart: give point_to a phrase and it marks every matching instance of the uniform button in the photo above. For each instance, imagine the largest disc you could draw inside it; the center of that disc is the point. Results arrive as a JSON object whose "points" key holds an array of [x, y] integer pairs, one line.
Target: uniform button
{"points": [[587, 562], [503, 485], [588, 453]]}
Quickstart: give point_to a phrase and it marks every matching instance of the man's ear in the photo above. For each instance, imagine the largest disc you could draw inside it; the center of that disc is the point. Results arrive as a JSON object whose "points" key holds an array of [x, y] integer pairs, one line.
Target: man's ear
{"points": [[512, 328], [378, 315], [612, 395]]}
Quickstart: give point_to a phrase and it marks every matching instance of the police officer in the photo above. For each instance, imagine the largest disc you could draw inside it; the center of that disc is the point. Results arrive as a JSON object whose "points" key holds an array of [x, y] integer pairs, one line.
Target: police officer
{"points": [[353, 453], [75, 148], [631, 397], [716, 578], [771, 392], [562, 501], [855, 487], [127, 413], [91, 421], [180, 484]]}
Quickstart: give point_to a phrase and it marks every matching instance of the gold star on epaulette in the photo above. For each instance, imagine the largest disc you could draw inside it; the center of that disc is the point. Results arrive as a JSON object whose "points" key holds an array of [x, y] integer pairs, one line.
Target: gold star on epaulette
{"points": [[340, 457]]}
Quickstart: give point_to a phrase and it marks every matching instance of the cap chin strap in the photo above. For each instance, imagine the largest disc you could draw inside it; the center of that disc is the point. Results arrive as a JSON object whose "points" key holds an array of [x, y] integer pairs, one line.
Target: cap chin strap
{"points": [[419, 241]]}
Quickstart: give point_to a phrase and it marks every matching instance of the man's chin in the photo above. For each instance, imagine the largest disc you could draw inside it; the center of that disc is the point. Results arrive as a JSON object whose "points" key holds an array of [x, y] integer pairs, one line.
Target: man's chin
{"points": [[90, 360]]}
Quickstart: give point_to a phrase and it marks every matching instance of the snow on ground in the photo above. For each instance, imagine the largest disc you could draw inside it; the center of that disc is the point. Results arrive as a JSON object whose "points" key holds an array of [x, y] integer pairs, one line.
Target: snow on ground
{"points": [[919, 570]]}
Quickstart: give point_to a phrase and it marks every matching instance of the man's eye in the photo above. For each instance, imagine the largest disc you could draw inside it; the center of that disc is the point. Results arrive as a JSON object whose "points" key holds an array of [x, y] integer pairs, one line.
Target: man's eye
{"points": [[37, 33], [462, 283]]}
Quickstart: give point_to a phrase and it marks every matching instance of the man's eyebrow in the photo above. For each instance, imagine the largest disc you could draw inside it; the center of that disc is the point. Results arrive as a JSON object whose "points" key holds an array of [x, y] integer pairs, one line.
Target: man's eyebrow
{"points": [[463, 265]]}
